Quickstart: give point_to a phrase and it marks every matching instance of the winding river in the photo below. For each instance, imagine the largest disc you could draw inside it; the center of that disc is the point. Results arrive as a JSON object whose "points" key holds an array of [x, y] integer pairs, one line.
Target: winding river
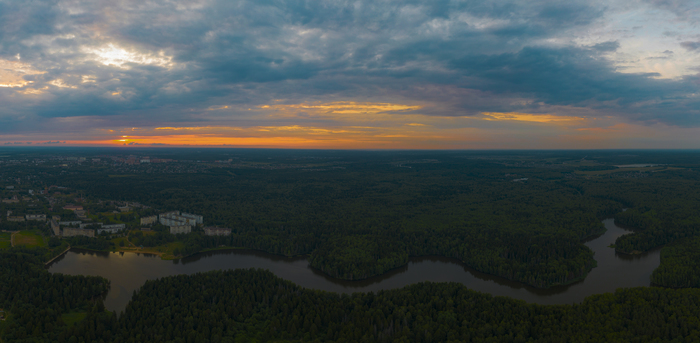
{"points": [[128, 272]]}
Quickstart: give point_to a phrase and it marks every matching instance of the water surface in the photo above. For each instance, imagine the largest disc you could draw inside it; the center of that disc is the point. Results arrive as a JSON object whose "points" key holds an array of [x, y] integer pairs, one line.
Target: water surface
{"points": [[128, 272]]}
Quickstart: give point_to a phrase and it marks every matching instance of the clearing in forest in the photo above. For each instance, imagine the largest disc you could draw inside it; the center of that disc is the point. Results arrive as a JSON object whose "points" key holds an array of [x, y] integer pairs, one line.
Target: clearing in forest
{"points": [[30, 239]]}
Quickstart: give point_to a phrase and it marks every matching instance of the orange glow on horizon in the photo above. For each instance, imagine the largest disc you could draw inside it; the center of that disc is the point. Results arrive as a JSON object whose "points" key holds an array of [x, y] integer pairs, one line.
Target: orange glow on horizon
{"points": [[347, 107], [529, 117], [297, 136]]}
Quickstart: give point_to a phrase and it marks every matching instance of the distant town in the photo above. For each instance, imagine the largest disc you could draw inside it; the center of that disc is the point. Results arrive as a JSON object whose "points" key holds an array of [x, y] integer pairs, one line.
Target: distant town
{"points": [[27, 201]]}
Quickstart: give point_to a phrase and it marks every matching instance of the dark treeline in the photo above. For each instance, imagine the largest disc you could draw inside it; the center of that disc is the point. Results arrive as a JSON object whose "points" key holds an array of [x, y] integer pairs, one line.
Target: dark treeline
{"points": [[663, 208], [254, 305], [680, 265], [373, 255], [158, 238], [35, 298], [90, 243]]}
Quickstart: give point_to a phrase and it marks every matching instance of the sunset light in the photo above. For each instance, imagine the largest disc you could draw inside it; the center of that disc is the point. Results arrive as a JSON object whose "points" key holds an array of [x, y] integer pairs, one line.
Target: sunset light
{"points": [[350, 171], [428, 77]]}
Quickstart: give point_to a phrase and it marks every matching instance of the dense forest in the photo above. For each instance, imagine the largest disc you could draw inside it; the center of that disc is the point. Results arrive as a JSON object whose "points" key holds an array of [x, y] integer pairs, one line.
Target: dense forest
{"points": [[662, 208], [522, 216], [530, 231], [680, 265], [254, 305], [519, 215], [35, 299]]}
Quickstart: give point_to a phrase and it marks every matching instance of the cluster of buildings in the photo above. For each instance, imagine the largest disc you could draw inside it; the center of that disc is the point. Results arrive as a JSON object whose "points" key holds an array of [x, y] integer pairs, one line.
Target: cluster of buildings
{"points": [[80, 228], [131, 159], [178, 222], [78, 210], [181, 222], [28, 217]]}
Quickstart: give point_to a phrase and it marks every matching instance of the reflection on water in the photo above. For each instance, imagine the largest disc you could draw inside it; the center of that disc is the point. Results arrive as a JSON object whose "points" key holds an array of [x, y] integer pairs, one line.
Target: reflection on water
{"points": [[129, 271]]}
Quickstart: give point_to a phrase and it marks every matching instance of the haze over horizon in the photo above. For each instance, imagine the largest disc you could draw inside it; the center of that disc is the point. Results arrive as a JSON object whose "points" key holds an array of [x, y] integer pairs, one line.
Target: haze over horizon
{"points": [[351, 75]]}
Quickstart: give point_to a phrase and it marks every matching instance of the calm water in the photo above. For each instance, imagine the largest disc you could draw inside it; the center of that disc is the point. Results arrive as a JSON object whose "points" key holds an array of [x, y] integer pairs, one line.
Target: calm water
{"points": [[128, 271]]}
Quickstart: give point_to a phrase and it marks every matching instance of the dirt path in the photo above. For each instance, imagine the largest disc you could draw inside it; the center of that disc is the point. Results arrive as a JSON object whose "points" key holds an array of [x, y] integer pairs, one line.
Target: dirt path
{"points": [[128, 241], [12, 239]]}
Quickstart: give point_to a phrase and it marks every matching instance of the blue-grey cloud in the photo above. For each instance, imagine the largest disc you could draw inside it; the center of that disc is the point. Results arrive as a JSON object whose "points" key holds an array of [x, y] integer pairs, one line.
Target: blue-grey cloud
{"points": [[691, 45], [683, 9], [182, 57], [607, 46]]}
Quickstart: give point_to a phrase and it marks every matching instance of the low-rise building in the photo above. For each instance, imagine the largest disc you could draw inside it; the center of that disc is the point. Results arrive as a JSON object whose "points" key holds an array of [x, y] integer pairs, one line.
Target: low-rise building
{"points": [[73, 207], [197, 218], [71, 232], [84, 225], [55, 227], [217, 231], [113, 228], [70, 223], [176, 229], [39, 217], [15, 219], [168, 221], [174, 218], [150, 220]]}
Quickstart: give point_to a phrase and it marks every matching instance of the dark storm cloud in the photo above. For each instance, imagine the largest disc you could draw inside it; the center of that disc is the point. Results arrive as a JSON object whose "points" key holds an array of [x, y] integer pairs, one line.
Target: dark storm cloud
{"points": [[251, 52], [579, 77], [607, 46], [691, 45], [683, 9]]}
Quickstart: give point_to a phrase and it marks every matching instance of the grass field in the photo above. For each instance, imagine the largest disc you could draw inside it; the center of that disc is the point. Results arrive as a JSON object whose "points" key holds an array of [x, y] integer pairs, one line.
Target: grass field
{"points": [[30, 239], [5, 240], [164, 251], [73, 317]]}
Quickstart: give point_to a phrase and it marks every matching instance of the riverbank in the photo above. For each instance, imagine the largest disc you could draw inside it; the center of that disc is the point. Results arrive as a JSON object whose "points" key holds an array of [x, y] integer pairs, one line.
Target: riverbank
{"points": [[57, 256], [167, 252], [128, 271]]}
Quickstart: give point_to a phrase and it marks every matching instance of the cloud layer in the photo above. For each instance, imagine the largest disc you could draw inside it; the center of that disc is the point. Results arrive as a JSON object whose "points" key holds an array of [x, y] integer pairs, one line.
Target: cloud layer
{"points": [[90, 72]]}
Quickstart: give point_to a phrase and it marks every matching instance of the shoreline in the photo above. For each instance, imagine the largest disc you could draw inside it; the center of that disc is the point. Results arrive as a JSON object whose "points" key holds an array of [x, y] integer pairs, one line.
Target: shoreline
{"points": [[164, 256]]}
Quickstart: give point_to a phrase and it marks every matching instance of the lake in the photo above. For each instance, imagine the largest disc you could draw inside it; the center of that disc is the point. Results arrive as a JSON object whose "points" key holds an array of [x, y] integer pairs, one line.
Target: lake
{"points": [[129, 271]]}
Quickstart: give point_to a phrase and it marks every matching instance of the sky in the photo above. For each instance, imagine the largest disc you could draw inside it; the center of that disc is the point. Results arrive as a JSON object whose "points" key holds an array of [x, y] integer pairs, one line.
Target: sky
{"points": [[351, 74]]}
